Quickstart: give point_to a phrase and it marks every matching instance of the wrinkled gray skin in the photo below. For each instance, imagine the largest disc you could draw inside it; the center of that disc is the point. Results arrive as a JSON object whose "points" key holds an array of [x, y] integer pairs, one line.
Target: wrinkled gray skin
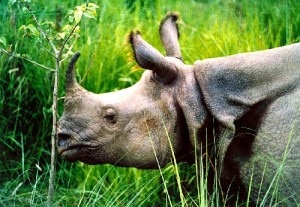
{"points": [[247, 106]]}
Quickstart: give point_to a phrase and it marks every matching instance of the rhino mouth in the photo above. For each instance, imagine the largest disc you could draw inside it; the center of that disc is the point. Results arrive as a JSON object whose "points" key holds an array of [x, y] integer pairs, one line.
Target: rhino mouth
{"points": [[69, 149], [74, 147], [74, 152], [70, 154]]}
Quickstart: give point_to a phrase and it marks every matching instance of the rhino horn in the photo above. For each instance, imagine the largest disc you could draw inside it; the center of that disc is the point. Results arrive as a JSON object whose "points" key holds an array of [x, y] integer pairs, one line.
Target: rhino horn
{"points": [[169, 35], [71, 82], [150, 58]]}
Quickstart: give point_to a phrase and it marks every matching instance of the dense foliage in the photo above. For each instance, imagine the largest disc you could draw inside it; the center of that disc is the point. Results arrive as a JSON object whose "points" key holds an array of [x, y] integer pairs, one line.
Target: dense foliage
{"points": [[209, 28]]}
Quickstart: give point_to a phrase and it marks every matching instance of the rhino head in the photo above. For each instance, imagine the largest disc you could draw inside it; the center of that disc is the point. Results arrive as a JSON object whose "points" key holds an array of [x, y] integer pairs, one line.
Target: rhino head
{"points": [[142, 126]]}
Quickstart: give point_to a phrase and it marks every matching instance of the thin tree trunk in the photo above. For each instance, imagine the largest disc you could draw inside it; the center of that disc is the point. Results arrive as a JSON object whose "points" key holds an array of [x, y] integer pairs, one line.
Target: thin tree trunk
{"points": [[51, 190]]}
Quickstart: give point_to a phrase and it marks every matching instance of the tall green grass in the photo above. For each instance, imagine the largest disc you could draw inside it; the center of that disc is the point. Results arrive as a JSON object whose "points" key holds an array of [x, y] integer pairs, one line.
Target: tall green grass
{"points": [[209, 28]]}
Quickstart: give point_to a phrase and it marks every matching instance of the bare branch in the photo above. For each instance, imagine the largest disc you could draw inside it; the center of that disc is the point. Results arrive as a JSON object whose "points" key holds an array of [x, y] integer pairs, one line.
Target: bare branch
{"points": [[48, 51], [68, 52], [52, 176], [66, 40]]}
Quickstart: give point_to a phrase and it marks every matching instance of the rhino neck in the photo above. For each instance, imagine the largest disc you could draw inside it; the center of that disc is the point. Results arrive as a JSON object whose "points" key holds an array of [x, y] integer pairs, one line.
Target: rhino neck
{"points": [[194, 111]]}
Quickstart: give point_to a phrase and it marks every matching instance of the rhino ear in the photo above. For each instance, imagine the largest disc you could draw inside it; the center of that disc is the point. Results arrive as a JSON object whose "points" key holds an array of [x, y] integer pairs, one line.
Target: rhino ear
{"points": [[150, 58], [169, 35]]}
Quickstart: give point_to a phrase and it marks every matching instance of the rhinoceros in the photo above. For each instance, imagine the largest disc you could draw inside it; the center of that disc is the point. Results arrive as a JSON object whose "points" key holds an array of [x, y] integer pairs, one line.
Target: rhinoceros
{"points": [[242, 110]]}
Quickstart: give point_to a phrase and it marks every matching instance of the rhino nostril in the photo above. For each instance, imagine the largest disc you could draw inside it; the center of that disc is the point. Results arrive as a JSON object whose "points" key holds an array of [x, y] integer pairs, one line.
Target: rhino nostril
{"points": [[63, 139]]}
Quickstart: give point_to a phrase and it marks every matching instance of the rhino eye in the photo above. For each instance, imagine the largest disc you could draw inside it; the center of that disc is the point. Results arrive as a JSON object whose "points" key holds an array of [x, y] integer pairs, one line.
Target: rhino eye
{"points": [[110, 116]]}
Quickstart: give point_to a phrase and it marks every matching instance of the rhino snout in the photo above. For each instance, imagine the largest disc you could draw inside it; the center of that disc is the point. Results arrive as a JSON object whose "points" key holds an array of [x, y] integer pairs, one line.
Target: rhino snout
{"points": [[63, 139], [66, 146]]}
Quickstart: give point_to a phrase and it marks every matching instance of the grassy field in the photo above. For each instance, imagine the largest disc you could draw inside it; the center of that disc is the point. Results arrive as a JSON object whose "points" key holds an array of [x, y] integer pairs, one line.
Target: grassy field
{"points": [[209, 28]]}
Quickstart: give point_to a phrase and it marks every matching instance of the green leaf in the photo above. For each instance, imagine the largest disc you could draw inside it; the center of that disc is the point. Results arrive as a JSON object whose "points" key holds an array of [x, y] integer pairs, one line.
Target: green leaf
{"points": [[3, 41], [90, 14], [22, 28], [78, 14], [87, 10], [92, 5], [60, 35], [49, 23], [33, 30], [71, 19], [66, 28], [77, 30], [70, 12], [91, 10], [29, 30]]}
